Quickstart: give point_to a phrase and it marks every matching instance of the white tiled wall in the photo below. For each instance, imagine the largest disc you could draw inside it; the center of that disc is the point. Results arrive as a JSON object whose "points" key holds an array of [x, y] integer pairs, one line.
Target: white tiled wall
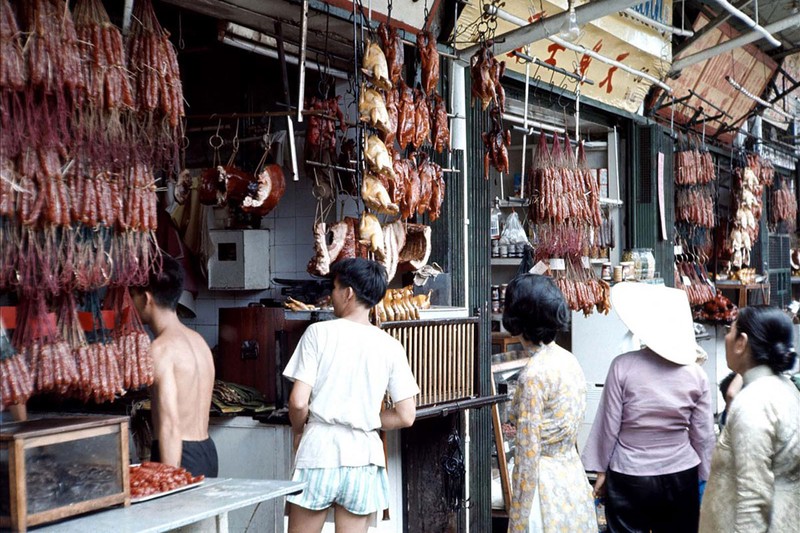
{"points": [[291, 246]]}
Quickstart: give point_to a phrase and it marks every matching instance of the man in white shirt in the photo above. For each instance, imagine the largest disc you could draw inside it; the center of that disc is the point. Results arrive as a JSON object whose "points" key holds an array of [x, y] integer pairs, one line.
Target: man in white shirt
{"points": [[341, 370]]}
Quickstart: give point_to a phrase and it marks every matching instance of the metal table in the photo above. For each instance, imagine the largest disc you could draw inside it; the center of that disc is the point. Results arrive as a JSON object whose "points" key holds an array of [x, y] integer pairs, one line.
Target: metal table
{"points": [[213, 499]]}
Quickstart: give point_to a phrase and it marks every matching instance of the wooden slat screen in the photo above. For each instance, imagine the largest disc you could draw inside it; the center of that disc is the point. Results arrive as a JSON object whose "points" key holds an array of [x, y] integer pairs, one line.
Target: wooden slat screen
{"points": [[441, 354]]}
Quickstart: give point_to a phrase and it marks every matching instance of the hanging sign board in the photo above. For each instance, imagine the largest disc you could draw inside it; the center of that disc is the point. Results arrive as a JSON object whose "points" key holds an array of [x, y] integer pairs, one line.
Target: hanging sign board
{"points": [[747, 65], [616, 37]]}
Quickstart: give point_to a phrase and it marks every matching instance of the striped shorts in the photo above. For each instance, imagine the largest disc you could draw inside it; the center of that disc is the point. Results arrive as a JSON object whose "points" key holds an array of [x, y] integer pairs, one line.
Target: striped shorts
{"points": [[361, 490]]}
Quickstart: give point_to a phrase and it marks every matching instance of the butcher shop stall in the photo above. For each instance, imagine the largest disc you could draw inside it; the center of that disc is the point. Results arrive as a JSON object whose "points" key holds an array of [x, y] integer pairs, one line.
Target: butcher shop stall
{"points": [[458, 143]]}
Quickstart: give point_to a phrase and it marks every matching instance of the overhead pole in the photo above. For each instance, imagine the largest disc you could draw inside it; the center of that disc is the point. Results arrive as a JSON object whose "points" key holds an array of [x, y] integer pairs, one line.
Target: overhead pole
{"points": [[708, 53], [715, 23]]}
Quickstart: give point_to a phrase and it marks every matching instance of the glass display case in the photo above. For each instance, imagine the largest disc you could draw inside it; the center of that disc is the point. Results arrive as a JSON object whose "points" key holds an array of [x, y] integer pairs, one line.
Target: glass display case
{"points": [[53, 468]]}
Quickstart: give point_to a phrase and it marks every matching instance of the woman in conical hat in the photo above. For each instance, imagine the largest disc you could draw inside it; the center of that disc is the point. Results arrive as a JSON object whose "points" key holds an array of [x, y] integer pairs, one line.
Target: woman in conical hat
{"points": [[652, 437]]}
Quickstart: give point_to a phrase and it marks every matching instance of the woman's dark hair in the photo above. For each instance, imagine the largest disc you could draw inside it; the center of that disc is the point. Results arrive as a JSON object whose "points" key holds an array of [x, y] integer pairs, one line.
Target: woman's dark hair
{"points": [[366, 278], [166, 284], [770, 335], [535, 308], [726, 382]]}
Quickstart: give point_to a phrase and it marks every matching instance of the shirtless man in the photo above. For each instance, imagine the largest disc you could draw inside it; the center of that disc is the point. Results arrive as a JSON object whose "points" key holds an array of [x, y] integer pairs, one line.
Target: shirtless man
{"points": [[184, 377]]}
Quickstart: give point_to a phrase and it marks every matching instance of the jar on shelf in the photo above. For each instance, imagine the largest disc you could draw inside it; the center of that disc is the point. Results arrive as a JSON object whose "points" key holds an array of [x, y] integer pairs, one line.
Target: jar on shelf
{"points": [[627, 255], [627, 270], [649, 272], [606, 272], [637, 263]]}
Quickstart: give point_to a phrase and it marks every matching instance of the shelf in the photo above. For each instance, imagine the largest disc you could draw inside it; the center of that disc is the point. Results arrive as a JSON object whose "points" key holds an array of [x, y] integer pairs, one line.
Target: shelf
{"points": [[506, 261], [611, 202], [522, 202]]}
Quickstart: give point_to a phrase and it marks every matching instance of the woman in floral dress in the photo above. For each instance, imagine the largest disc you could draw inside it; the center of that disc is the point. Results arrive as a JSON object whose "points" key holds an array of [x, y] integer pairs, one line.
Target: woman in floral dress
{"points": [[550, 489]]}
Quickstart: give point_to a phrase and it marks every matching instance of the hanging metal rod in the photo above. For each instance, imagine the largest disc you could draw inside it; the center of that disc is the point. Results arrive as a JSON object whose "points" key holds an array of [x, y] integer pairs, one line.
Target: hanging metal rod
{"points": [[702, 99], [505, 15], [708, 53], [758, 100], [647, 21], [251, 46], [532, 123], [334, 167], [537, 61], [443, 54], [752, 24], [529, 33]]}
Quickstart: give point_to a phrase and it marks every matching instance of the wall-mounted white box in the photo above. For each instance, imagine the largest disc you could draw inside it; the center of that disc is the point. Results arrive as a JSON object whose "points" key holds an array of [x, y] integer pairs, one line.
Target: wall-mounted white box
{"points": [[240, 260]]}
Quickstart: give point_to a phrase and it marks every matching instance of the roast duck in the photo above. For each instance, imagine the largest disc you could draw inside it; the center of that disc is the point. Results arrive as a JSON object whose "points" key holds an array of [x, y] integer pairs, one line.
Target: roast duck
{"points": [[372, 109], [406, 115], [321, 127], [393, 50], [430, 61], [377, 156], [374, 65], [392, 110], [370, 233], [422, 120], [496, 143], [441, 129], [486, 72]]}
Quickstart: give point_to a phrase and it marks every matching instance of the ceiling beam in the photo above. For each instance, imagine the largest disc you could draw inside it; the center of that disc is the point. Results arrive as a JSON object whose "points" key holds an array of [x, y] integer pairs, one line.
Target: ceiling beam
{"points": [[549, 26], [708, 53], [712, 25]]}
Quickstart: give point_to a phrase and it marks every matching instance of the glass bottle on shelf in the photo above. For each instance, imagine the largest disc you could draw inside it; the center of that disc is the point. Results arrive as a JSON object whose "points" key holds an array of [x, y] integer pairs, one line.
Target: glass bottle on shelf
{"points": [[496, 220]]}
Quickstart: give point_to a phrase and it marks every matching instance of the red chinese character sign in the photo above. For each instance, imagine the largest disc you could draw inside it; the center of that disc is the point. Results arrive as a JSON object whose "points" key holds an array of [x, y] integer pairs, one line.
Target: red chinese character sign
{"points": [[615, 37]]}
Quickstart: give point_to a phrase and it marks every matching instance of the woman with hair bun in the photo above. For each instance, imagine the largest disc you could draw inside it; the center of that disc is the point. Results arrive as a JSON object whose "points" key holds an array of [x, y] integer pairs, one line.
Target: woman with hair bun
{"points": [[550, 489], [755, 471]]}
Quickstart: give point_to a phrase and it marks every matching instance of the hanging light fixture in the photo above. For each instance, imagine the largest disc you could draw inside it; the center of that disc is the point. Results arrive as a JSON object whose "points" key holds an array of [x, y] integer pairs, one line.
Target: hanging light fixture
{"points": [[570, 31]]}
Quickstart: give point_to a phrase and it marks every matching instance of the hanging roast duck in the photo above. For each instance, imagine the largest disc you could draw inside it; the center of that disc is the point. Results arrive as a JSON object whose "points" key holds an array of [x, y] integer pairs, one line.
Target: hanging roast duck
{"points": [[496, 142], [372, 109], [430, 61], [393, 49], [374, 65]]}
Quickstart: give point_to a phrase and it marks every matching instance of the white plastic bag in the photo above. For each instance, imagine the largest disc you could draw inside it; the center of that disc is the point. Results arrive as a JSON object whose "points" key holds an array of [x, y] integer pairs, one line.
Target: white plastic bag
{"points": [[513, 233]]}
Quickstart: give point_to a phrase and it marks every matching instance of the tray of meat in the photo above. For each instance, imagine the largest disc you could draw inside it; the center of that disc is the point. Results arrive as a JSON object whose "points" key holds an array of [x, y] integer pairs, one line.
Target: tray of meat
{"points": [[153, 480]]}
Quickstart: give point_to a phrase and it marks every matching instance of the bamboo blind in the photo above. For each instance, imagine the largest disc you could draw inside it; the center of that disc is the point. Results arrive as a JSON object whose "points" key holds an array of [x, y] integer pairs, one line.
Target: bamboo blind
{"points": [[441, 354]]}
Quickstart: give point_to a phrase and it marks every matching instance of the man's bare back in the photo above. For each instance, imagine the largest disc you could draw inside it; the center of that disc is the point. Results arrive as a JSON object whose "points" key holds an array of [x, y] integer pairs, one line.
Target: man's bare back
{"points": [[181, 392]]}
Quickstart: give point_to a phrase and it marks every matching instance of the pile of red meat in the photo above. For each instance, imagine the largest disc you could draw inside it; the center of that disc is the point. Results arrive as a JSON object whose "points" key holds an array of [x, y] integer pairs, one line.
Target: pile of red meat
{"points": [[153, 478]]}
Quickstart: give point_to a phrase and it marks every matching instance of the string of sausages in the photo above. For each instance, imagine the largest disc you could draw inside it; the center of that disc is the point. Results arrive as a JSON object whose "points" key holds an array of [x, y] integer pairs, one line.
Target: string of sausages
{"points": [[693, 279], [783, 206], [86, 117], [694, 195], [582, 290]]}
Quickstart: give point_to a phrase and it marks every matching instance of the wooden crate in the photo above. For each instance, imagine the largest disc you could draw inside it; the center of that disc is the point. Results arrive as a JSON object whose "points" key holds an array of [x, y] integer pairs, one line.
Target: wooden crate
{"points": [[54, 468], [442, 354]]}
